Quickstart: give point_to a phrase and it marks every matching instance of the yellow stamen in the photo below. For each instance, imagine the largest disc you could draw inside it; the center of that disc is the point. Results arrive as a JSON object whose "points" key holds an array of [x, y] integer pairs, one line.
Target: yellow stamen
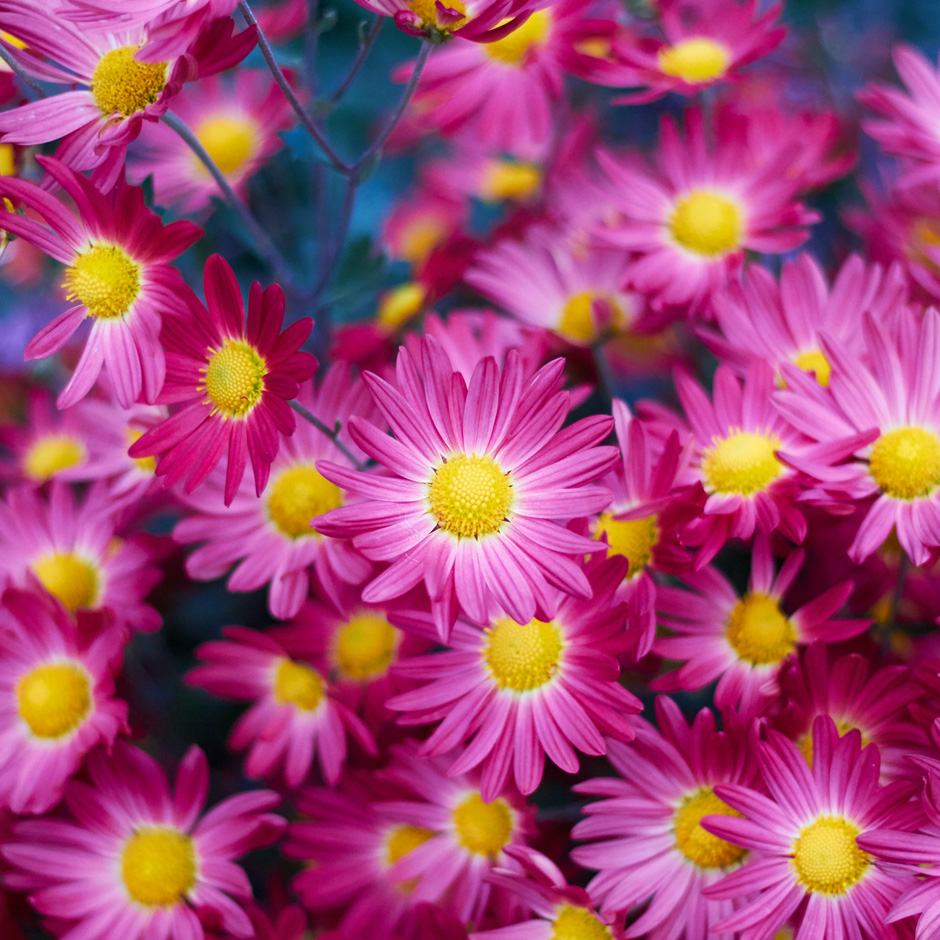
{"points": [[905, 462], [365, 647], [50, 455], [235, 379], [296, 495], [401, 304], [516, 48], [470, 496], [147, 464], [814, 360], [707, 223], [576, 923], [121, 84], [742, 463], [298, 685], [758, 631], [158, 866], [694, 60], [482, 828], [826, 857], [522, 656], [54, 699], [505, 179], [105, 279], [697, 844], [426, 11], [230, 139], [72, 579], [634, 539]]}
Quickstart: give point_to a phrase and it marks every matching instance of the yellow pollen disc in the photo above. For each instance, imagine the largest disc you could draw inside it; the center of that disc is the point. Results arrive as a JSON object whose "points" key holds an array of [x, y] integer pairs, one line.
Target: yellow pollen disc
{"points": [[298, 685], [522, 656], [482, 828], [427, 13], [147, 464], [514, 49], [470, 496], [105, 280], [814, 361], [758, 631], [697, 844], [230, 139], [7, 158], [401, 304], [742, 463], [51, 455], [504, 179], [632, 538], [576, 923], [577, 316], [296, 495], [694, 60], [121, 83], [403, 839], [826, 857], [72, 579], [420, 237], [54, 699], [805, 743], [158, 866], [707, 223], [365, 647], [905, 462], [235, 379]]}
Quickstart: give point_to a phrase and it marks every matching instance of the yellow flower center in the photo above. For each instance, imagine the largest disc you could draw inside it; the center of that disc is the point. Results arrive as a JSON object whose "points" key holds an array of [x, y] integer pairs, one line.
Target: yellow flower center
{"points": [[514, 49], [694, 60], [632, 538], [814, 360], [482, 828], [707, 223], [905, 462], [147, 464], [298, 685], [505, 179], [758, 631], [105, 280], [470, 496], [522, 657], [51, 455], [73, 580], [697, 844], [365, 647], [230, 139], [7, 157], [401, 304], [742, 463], [296, 495], [235, 379], [54, 699], [421, 237], [576, 923], [158, 866], [120, 83], [577, 321], [426, 11], [403, 839], [826, 857]]}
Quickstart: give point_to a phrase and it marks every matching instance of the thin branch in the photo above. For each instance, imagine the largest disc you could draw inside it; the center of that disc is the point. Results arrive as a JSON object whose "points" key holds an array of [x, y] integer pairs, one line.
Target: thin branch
{"points": [[331, 433], [21, 73], [367, 42]]}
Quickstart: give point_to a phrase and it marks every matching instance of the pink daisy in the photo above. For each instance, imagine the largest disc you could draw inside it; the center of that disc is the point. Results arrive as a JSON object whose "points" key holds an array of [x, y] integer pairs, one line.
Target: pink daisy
{"points": [[136, 859], [647, 841], [805, 833], [70, 548], [56, 698], [294, 714], [118, 275], [235, 381], [521, 691], [478, 478], [744, 640]]}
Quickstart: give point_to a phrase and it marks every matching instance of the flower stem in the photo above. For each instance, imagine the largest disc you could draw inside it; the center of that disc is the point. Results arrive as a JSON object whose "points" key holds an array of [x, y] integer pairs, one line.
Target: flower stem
{"points": [[21, 73], [332, 434]]}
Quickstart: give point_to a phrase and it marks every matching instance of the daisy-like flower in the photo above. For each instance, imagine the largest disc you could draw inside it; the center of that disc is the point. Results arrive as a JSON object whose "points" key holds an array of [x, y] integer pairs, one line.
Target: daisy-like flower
{"points": [[523, 690], [117, 255], [271, 537], [894, 390], [691, 220], [479, 20], [478, 478], [805, 833], [72, 551], [235, 380], [704, 42], [744, 640], [237, 122], [647, 841], [294, 714], [56, 698], [136, 859]]}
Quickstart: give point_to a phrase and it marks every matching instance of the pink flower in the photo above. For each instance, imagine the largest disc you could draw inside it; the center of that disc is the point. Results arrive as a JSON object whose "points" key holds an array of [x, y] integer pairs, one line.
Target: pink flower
{"points": [[136, 859], [118, 275], [235, 381]]}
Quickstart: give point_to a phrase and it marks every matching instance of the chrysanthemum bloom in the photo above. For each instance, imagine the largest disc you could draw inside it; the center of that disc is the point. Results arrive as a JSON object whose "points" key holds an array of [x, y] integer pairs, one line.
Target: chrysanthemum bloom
{"points": [[71, 550], [855, 695], [56, 698], [236, 121], [294, 714], [479, 20], [117, 254], [235, 380], [271, 537], [478, 479], [761, 319], [704, 43], [805, 838], [520, 691], [652, 845], [744, 641], [692, 218], [894, 390], [137, 860]]}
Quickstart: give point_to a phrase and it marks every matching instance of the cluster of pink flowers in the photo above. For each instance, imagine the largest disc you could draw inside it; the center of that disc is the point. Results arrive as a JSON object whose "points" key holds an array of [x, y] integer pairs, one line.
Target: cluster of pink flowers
{"points": [[617, 522]]}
